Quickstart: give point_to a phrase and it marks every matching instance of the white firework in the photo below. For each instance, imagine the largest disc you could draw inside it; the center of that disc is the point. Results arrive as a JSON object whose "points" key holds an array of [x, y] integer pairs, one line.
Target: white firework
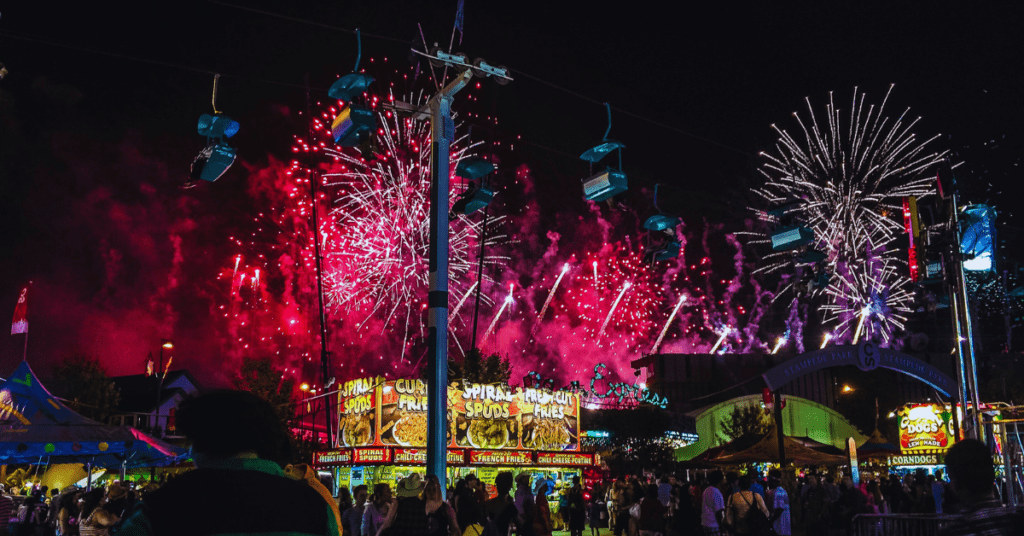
{"points": [[377, 249], [846, 183], [870, 297]]}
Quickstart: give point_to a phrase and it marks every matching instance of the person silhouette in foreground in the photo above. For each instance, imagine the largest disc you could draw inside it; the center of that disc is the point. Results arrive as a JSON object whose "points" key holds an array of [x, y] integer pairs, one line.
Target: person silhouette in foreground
{"points": [[969, 466], [238, 441]]}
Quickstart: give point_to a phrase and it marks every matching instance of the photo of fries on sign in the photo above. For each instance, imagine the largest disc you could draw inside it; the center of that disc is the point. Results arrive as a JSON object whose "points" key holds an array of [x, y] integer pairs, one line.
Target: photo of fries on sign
{"points": [[924, 428]]}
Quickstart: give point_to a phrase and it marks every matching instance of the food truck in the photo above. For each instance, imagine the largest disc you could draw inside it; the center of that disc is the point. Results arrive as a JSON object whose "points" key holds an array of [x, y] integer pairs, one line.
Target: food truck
{"points": [[382, 433]]}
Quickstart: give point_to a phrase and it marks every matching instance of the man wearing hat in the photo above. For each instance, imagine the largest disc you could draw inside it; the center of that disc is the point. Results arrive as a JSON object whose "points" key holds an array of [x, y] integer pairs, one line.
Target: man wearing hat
{"points": [[409, 516]]}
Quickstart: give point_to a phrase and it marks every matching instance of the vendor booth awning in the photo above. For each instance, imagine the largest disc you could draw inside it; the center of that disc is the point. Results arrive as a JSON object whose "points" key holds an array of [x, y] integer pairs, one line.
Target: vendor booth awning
{"points": [[767, 450], [877, 447], [35, 427]]}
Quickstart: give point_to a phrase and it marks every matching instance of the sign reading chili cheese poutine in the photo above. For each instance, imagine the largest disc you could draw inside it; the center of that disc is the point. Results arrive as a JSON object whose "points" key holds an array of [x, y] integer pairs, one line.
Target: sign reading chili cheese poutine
{"points": [[565, 459]]}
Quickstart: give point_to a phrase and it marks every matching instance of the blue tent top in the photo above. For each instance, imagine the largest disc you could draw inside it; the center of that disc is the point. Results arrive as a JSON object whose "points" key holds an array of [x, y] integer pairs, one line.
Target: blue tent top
{"points": [[35, 426]]}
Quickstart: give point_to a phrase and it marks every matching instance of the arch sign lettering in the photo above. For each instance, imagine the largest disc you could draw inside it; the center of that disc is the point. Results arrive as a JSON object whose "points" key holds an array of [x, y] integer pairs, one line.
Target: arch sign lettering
{"points": [[867, 356]]}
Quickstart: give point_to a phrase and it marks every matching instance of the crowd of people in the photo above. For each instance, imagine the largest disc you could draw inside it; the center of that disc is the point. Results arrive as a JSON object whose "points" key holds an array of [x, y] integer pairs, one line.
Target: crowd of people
{"points": [[70, 511], [237, 438]]}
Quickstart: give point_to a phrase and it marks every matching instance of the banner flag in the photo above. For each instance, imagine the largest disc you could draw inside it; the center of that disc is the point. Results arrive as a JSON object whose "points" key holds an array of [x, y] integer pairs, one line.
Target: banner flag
{"points": [[20, 322]]}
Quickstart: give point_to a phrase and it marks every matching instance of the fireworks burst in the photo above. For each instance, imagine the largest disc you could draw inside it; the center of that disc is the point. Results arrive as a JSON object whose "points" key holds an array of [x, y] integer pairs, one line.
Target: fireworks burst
{"points": [[846, 183], [620, 297], [376, 247]]}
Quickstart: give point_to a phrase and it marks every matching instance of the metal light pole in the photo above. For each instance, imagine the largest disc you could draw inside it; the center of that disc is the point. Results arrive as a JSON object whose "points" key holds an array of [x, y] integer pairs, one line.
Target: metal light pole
{"points": [[325, 354], [442, 133], [968, 367]]}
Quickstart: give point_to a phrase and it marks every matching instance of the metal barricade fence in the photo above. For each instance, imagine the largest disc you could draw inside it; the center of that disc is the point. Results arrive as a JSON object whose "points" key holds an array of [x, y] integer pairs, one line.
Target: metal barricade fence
{"points": [[901, 524]]}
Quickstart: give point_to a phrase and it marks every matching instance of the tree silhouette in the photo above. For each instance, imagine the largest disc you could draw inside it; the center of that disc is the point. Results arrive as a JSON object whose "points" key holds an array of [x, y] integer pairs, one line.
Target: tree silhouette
{"points": [[87, 388], [746, 419]]}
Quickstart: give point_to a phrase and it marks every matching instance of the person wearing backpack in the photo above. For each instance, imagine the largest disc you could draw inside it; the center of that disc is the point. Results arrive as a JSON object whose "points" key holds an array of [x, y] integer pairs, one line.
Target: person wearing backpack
{"points": [[745, 512]]}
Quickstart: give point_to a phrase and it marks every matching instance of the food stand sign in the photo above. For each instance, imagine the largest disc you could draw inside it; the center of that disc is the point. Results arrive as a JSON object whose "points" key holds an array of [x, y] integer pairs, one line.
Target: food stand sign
{"points": [[924, 429], [403, 413], [500, 457], [379, 413], [372, 455], [332, 458], [357, 422], [550, 419], [486, 416], [419, 456], [565, 459]]}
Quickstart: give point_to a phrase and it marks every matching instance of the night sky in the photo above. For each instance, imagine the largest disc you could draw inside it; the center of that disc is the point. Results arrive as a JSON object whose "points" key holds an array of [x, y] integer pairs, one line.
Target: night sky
{"points": [[98, 112]]}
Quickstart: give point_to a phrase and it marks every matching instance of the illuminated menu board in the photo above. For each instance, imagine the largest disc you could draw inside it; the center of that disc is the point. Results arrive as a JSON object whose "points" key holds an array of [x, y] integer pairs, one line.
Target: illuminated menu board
{"points": [[357, 422], [403, 413], [925, 429], [375, 412]]}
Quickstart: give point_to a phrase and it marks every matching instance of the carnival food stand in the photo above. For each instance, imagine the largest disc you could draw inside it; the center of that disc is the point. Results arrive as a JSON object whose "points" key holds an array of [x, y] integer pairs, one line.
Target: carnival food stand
{"points": [[492, 428], [926, 433]]}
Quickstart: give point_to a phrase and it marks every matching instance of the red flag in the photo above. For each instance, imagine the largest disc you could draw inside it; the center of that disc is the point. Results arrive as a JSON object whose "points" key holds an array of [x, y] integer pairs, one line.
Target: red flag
{"points": [[20, 322]]}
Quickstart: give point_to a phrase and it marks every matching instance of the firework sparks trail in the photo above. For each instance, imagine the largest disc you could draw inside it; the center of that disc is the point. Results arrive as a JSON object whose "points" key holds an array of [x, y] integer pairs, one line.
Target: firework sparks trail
{"points": [[721, 339], [778, 345], [860, 325], [238, 260], [846, 184], [455, 312], [547, 302], [615, 304], [824, 342], [671, 317], [508, 300], [256, 280]]}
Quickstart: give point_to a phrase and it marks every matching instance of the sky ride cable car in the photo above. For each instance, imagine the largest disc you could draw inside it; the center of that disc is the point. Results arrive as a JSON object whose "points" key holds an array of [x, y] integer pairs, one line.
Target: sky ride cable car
{"points": [[356, 122], [215, 159], [474, 169], [664, 223], [610, 182]]}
